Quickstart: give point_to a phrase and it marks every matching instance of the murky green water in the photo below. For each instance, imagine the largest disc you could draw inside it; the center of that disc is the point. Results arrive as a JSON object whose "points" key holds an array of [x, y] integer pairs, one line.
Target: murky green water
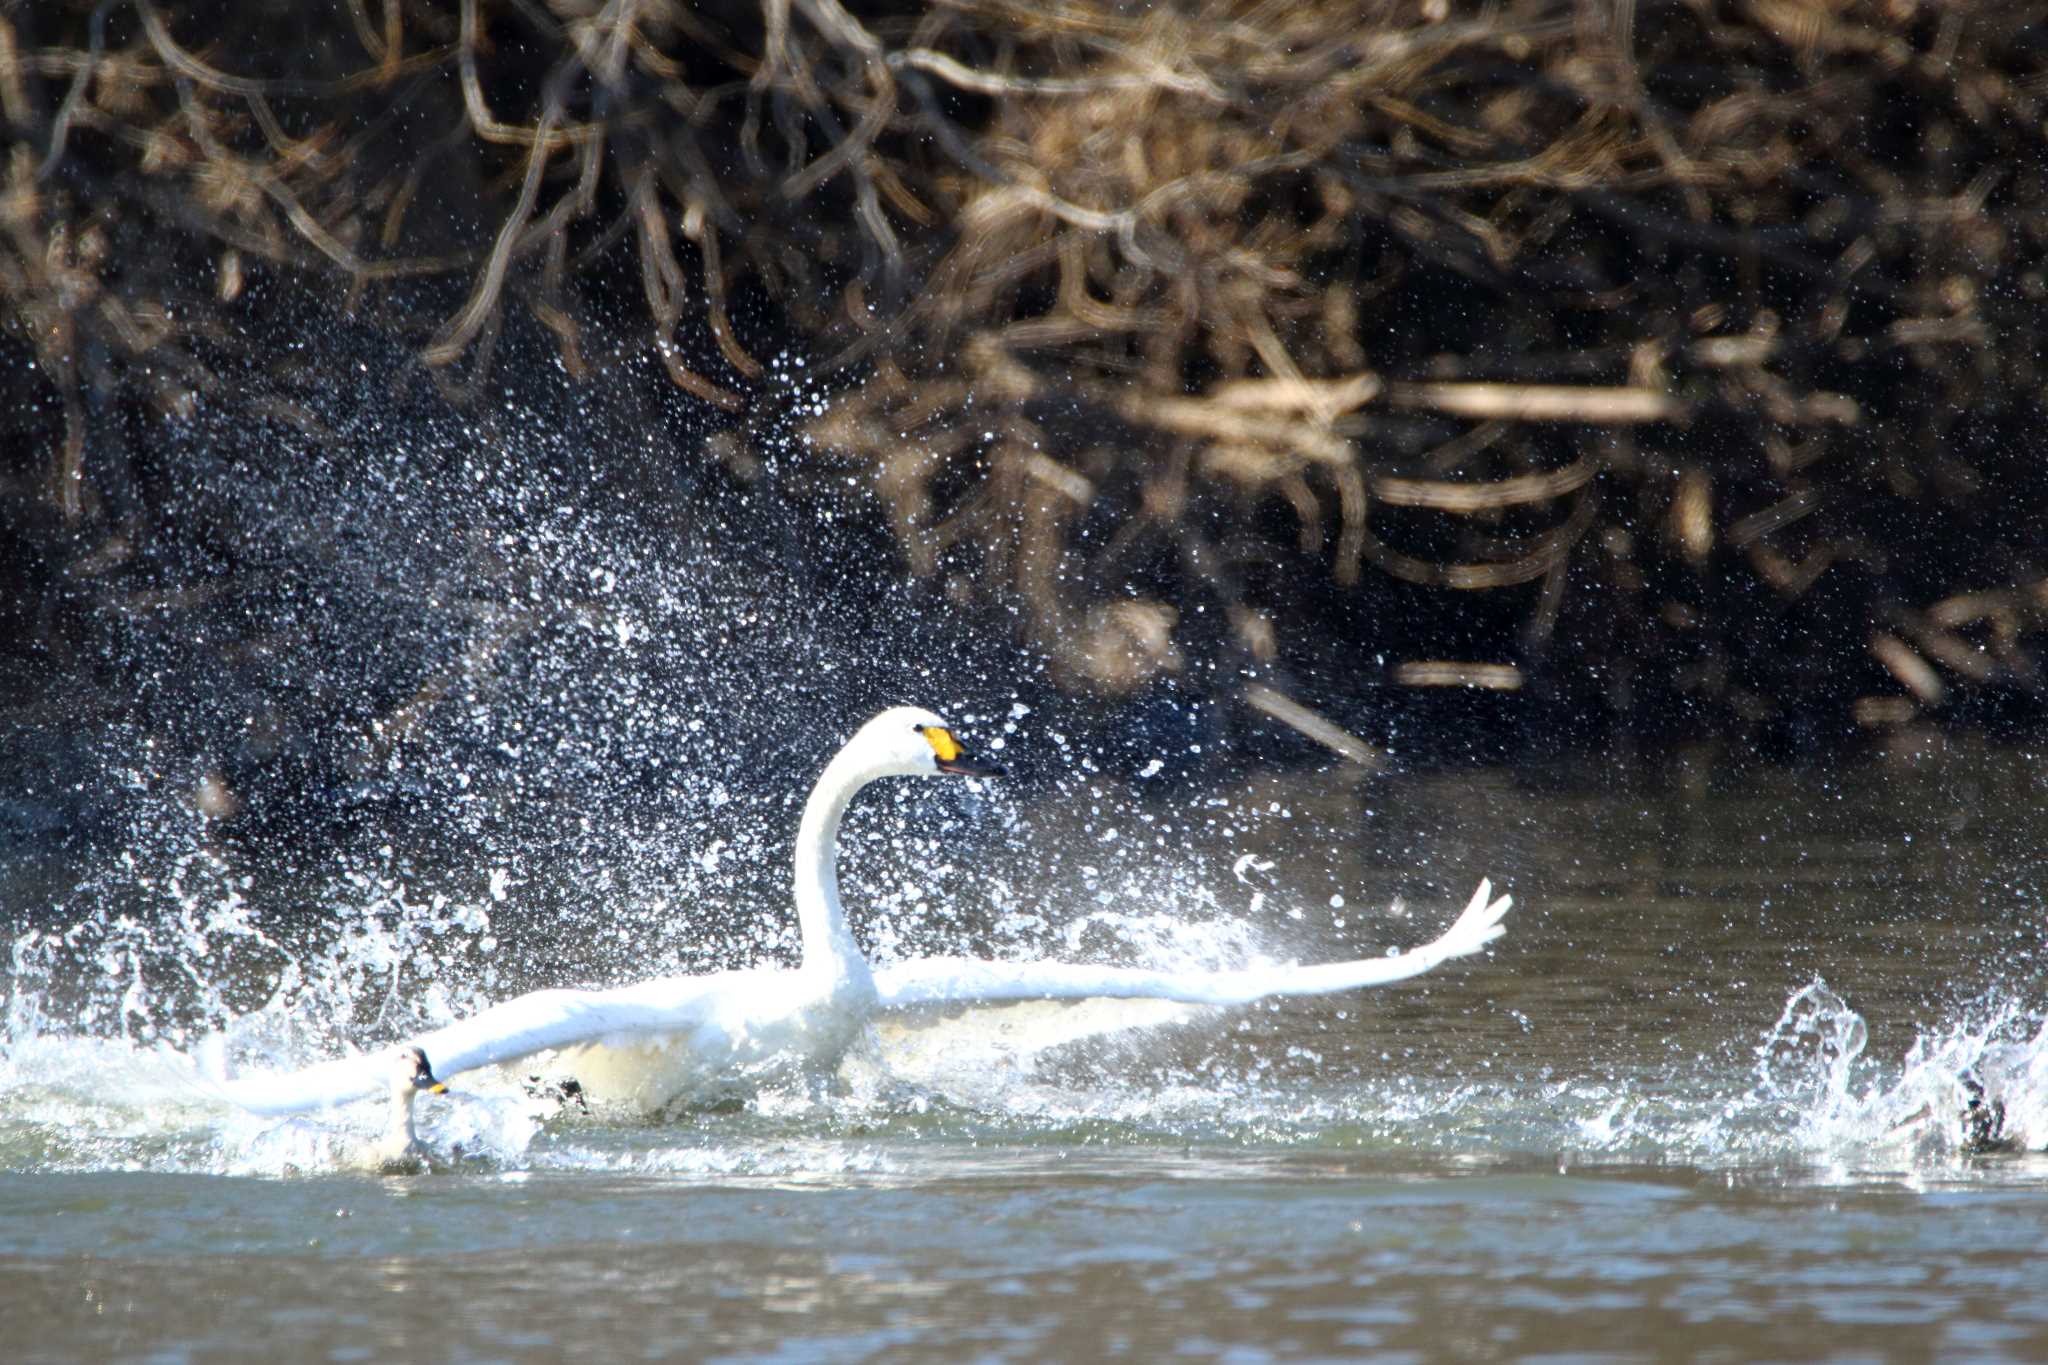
{"points": [[1640, 1128], [978, 1255]]}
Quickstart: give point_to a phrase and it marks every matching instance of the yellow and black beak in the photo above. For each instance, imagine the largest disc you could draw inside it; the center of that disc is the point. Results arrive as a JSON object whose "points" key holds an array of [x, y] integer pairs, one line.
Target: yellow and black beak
{"points": [[951, 757], [423, 1077]]}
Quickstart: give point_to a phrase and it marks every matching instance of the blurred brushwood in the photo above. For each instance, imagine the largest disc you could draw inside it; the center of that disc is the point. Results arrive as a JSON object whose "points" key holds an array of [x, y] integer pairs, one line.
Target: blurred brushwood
{"points": [[1681, 360]]}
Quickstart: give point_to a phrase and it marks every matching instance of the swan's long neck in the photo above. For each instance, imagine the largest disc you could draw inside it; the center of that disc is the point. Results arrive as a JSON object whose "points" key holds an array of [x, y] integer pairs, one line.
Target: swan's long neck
{"points": [[401, 1135], [828, 938]]}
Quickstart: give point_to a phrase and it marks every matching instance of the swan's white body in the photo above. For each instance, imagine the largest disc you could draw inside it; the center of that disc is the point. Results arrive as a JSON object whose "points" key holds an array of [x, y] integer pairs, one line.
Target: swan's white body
{"points": [[652, 1043]]}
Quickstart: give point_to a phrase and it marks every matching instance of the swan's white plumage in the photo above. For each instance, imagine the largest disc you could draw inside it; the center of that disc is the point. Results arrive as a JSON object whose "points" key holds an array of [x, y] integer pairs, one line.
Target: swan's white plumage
{"points": [[650, 1043], [968, 981], [540, 1021]]}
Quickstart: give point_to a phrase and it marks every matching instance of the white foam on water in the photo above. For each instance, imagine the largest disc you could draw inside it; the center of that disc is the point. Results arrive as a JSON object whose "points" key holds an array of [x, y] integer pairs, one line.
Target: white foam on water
{"points": [[1813, 1100], [119, 1017]]}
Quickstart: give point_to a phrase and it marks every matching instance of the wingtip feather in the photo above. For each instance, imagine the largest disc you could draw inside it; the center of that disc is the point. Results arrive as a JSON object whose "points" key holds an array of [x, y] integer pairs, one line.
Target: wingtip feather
{"points": [[1480, 924]]}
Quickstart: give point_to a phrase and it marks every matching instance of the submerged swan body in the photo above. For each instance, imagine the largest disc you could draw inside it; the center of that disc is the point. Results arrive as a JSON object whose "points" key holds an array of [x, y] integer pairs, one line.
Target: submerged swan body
{"points": [[657, 1041]]}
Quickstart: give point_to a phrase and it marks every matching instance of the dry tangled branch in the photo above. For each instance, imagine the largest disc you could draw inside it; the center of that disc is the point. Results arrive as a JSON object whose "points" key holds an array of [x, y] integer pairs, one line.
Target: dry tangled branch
{"points": [[1683, 347], [1450, 293]]}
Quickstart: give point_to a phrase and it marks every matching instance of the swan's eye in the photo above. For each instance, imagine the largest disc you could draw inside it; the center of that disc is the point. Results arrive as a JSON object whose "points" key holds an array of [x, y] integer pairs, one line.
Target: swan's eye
{"points": [[941, 739]]}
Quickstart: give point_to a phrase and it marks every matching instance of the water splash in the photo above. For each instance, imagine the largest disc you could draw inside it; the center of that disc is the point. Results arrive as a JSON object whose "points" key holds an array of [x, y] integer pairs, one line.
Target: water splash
{"points": [[171, 973], [1812, 1099], [121, 1016]]}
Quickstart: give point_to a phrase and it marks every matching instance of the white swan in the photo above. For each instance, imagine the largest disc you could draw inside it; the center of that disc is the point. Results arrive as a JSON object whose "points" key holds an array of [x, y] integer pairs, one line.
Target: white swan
{"points": [[652, 1043], [399, 1151]]}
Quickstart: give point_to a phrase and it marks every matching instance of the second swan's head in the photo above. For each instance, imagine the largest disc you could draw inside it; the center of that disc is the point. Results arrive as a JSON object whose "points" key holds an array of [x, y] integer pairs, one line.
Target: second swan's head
{"points": [[910, 741]]}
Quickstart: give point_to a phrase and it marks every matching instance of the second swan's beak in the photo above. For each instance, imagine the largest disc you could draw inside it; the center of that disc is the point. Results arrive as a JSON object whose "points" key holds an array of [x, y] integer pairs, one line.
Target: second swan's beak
{"points": [[951, 758]]}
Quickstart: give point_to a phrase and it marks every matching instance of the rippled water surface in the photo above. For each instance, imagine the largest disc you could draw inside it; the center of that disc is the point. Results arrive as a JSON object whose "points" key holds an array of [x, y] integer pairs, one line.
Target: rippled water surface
{"points": [[1701, 1100]]}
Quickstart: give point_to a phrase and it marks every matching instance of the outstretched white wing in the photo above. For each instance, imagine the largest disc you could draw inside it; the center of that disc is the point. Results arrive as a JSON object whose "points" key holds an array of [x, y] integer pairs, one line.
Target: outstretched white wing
{"points": [[515, 1028], [714, 1010], [964, 980]]}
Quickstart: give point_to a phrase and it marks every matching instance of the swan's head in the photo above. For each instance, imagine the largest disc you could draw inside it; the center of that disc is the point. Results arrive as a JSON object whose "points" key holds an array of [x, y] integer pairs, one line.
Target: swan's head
{"points": [[410, 1072], [909, 741]]}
